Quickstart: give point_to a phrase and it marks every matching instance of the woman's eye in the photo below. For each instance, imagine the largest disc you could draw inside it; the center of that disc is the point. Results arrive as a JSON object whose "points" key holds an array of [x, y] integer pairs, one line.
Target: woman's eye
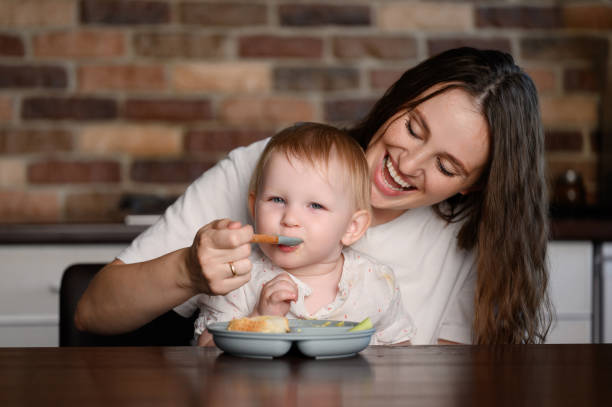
{"points": [[443, 169], [410, 129], [277, 199], [315, 205]]}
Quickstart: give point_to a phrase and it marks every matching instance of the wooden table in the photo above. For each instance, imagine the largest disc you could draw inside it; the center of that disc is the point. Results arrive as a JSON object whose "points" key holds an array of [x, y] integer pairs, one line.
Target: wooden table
{"points": [[538, 375]]}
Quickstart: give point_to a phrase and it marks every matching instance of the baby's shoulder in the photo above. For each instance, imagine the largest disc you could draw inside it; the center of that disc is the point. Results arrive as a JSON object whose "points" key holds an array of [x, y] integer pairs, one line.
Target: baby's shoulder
{"points": [[366, 267], [365, 275]]}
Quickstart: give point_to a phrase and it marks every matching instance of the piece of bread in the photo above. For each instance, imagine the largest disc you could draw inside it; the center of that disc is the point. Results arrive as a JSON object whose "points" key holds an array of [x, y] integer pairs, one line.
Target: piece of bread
{"points": [[264, 323]]}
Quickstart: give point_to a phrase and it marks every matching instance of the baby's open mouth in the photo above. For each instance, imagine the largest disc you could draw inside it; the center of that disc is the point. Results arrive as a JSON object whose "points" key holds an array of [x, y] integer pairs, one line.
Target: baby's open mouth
{"points": [[392, 179]]}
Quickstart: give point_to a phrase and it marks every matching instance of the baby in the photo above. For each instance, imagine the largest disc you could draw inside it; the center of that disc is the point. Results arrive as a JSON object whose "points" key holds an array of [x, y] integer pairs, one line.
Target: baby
{"points": [[311, 182]]}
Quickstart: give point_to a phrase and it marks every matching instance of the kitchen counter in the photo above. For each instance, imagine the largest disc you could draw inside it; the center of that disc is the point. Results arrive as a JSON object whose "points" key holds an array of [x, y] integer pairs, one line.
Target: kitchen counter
{"points": [[580, 228], [69, 233], [561, 229]]}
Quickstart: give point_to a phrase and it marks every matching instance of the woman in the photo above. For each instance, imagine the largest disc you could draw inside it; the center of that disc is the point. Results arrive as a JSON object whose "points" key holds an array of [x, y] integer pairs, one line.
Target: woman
{"points": [[455, 149]]}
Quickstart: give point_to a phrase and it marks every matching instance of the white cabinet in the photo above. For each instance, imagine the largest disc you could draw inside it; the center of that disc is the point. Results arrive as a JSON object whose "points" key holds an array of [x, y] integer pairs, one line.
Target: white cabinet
{"points": [[571, 290], [29, 292], [31, 275]]}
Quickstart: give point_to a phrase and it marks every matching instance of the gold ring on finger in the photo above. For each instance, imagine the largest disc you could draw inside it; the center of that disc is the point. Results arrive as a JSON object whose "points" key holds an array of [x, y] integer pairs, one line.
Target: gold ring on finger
{"points": [[232, 269]]}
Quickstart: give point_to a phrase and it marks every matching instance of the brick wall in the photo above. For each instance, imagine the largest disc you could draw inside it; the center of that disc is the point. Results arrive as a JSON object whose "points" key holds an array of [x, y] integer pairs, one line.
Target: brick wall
{"points": [[103, 98]]}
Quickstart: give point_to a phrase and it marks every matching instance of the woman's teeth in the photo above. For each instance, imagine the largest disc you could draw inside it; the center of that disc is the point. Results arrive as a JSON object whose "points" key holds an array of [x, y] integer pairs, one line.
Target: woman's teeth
{"points": [[395, 177]]}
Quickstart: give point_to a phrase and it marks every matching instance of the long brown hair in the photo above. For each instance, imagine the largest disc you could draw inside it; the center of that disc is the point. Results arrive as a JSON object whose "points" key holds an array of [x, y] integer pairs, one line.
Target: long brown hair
{"points": [[505, 218]]}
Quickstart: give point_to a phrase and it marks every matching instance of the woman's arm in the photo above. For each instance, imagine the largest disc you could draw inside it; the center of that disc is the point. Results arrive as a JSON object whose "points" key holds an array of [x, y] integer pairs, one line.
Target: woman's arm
{"points": [[123, 297]]}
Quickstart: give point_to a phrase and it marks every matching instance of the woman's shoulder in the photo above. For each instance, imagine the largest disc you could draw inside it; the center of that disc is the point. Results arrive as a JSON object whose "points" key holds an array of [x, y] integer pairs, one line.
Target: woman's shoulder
{"points": [[252, 150]]}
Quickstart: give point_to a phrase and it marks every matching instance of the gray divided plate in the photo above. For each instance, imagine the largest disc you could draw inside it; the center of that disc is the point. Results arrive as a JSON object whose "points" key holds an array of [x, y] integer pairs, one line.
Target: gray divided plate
{"points": [[311, 338]]}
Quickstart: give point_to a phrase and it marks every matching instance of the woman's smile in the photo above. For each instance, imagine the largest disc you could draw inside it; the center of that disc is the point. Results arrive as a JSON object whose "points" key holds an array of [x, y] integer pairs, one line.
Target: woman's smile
{"points": [[391, 177]]}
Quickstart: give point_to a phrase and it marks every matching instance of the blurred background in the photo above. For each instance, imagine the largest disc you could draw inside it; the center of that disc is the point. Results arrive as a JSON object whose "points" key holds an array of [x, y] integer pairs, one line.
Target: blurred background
{"points": [[114, 106], [110, 108]]}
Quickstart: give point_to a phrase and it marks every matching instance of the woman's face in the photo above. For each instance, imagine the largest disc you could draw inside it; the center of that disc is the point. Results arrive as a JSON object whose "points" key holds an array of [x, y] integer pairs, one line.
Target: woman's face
{"points": [[424, 156]]}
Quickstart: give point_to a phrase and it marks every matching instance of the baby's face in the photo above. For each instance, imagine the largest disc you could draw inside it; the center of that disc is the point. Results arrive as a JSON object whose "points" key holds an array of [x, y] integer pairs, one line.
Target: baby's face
{"points": [[313, 204]]}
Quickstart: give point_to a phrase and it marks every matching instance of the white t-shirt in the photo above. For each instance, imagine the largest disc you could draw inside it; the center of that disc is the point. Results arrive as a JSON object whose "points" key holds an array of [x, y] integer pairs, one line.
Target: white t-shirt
{"points": [[366, 289], [436, 278]]}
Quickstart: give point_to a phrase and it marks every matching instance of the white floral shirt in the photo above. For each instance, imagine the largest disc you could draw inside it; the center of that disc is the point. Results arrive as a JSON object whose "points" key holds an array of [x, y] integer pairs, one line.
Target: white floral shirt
{"points": [[366, 289]]}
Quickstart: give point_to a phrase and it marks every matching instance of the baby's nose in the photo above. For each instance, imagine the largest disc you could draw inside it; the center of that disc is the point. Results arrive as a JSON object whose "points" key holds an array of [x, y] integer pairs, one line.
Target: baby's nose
{"points": [[290, 218]]}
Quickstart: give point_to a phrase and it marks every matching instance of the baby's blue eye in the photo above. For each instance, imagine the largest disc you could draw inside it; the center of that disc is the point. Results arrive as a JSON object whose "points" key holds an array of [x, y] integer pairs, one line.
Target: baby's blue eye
{"points": [[277, 199], [315, 205]]}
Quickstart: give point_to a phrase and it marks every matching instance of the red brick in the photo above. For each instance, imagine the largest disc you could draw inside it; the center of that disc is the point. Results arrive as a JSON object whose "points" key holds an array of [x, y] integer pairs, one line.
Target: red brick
{"points": [[122, 12], [425, 16], [566, 48], [221, 140], [438, 45], [597, 17], [37, 13], [347, 111], [167, 110], [67, 172], [518, 17], [12, 173], [30, 76], [582, 79], [383, 78], [179, 45], [545, 79], [562, 140], [29, 207], [6, 109], [121, 77], [131, 139], [225, 14], [228, 77], [93, 207], [183, 171], [266, 112], [316, 79], [70, 108], [379, 47], [19, 141], [569, 109], [304, 15], [79, 44], [11, 45], [281, 47]]}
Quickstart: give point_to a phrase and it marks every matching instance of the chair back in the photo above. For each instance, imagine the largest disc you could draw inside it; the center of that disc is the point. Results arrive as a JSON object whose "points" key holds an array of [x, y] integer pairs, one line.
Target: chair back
{"points": [[170, 329]]}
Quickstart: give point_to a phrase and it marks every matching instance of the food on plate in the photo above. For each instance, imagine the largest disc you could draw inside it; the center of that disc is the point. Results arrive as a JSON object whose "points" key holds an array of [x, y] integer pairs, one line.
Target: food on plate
{"points": [[263, 324], [362, 326]]}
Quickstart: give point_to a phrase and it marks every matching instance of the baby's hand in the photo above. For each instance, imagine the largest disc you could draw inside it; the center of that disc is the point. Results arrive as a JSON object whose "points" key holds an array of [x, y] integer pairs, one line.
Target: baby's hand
{"points": [[276, 296]]}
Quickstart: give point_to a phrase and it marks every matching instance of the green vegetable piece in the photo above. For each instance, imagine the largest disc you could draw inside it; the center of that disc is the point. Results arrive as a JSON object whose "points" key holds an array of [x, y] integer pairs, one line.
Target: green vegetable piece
{"points": [[362, 326]]}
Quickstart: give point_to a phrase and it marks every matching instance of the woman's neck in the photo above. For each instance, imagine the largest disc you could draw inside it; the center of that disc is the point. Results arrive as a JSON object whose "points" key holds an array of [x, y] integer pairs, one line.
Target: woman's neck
{"points": [[381, 216]]}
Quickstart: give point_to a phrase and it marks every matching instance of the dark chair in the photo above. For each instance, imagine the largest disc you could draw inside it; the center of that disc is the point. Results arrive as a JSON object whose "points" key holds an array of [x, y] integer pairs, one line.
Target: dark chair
{"points": [[170, 329]]}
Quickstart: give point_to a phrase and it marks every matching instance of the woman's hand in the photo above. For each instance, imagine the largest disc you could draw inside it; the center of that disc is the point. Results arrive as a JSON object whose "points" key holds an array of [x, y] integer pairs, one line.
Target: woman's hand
{"points": [[218, 260], [276, 296]]}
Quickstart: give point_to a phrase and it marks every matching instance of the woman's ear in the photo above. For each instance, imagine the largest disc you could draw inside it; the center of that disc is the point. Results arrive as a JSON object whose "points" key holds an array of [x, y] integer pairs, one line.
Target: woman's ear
{"points": [[251, 205], [357, 227]]}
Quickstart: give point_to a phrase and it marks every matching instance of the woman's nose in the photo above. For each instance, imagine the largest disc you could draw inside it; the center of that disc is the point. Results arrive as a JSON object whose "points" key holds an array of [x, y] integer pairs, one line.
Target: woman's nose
{"points": [[412, 163]]}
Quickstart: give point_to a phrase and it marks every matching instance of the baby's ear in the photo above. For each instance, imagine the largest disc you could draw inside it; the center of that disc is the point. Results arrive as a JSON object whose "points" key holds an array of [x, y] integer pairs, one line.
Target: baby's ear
{"points": [[357, 227], [251, 205]]}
